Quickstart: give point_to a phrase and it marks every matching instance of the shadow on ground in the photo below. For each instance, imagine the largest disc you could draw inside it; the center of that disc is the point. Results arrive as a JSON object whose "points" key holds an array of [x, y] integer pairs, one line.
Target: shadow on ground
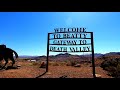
{"points": [[41, 75], [9, 67]]}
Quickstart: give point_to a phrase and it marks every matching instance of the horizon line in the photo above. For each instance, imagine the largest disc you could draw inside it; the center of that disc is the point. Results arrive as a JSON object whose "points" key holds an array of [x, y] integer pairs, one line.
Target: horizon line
{"points": [[69, 53]]}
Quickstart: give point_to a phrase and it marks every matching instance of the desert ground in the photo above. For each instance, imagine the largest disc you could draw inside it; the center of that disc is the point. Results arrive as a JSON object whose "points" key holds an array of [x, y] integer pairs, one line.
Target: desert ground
{"points": [[29, 69]]}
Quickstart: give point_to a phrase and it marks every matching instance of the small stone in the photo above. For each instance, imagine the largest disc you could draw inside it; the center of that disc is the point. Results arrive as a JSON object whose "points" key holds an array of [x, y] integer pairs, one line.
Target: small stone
{"points": [[48, 73], [18, 65], [77, 65]]}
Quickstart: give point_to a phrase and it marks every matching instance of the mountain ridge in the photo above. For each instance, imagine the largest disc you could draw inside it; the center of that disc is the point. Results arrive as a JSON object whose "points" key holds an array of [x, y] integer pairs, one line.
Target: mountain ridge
{"points": [[68, 54]]}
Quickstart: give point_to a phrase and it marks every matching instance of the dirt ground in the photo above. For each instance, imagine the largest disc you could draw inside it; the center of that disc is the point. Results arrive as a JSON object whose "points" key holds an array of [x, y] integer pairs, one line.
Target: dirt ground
{"points": [[28, 70]]}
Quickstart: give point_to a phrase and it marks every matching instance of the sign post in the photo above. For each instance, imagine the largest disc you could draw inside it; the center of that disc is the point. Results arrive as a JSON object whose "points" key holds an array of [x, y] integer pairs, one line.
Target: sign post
{"points": [[47, 52], [67, 37], [93, 60]]}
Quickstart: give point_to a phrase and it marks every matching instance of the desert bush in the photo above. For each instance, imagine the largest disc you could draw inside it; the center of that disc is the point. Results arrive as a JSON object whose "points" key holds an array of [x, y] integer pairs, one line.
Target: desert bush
{"points": [[68, 64], [57, 63], [35, 63], [72, 62], [53, 63], [62, 63], [114, 71], [26, 59], [112, 66], [50, 63], [105, 64]]}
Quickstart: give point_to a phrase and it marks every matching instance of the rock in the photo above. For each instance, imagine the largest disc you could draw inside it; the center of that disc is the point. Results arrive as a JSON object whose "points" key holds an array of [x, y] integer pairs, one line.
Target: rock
{"points": [[98, 76], [43, 65], [48, 73], [77, 65], [63, 76], [18, 65]]}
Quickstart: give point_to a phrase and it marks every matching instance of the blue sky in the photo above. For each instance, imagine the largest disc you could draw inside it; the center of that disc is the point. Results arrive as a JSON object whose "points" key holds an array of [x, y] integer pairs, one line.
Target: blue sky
{"points": [[26, 32]]}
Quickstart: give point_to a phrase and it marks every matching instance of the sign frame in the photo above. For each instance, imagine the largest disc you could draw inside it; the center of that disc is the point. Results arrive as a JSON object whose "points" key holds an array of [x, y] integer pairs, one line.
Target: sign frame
{"points": [[92, 47]]}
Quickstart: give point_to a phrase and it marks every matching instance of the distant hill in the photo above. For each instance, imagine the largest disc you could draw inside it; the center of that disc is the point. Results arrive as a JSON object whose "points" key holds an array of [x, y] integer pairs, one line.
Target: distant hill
{"points": [[86, 55], [97, 54], [27, 56], [67, 56], [63, 55], [60, 55], [113, 53]]}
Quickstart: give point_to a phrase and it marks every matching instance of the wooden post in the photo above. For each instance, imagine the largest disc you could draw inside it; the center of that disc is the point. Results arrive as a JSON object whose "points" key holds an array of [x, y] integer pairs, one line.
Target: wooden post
{"points": [[93, 60]]}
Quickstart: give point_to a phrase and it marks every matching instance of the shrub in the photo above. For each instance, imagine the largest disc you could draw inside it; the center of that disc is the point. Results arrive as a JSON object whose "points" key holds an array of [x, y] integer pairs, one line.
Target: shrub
{"points": [[112, 66], [35, 63], [72, 62], [68, 64], [53, 63], [62, 63], [105, 64]]}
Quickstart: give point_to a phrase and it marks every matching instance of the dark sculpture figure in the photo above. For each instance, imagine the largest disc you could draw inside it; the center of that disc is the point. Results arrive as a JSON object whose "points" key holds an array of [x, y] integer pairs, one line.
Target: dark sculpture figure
{"points": [[7, 53]]}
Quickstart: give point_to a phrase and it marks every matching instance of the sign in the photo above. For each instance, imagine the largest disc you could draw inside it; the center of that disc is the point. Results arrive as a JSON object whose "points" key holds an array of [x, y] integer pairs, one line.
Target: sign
{"points": [[70, 40]]}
